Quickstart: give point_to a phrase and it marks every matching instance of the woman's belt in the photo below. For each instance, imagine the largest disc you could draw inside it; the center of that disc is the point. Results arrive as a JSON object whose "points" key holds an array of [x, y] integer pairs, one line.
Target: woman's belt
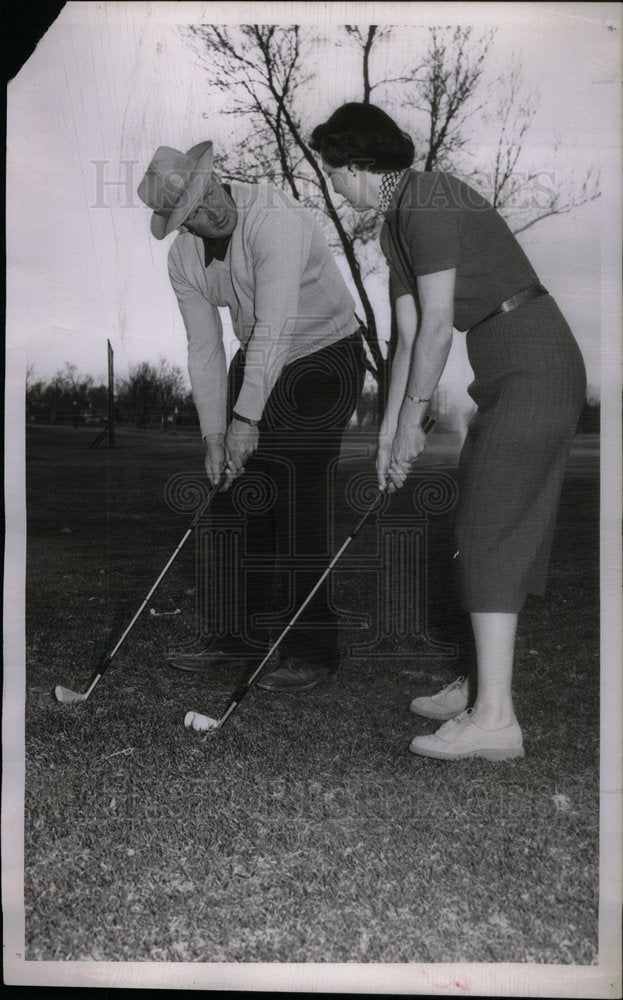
{"points": [[518, 299]]}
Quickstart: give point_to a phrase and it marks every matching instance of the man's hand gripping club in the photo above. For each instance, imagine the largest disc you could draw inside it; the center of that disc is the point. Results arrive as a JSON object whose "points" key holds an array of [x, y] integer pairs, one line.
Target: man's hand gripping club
{"points": [[226, 455]]}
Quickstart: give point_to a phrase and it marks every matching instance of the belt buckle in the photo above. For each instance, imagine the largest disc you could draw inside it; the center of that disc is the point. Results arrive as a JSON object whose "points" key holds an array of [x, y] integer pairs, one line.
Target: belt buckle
{"points": [[518, 299], [523, 295]]}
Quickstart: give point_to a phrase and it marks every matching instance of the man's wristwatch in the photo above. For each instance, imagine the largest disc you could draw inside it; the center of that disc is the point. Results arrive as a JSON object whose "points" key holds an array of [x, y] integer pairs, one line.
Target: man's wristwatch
{"points": [[245, 420]]}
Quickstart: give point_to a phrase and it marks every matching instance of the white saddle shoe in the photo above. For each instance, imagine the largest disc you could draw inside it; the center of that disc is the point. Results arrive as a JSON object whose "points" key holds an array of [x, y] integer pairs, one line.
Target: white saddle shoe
{"points": [[446, 704], [461, 738]]}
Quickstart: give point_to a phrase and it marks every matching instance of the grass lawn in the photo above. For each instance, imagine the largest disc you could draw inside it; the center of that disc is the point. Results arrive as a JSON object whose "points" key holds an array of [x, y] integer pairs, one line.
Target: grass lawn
{"points": [[304, 831]]}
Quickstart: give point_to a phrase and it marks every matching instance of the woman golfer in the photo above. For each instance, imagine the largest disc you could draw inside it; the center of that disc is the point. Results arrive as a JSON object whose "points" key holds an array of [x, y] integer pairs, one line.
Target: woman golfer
{"points": [[454, 263]]}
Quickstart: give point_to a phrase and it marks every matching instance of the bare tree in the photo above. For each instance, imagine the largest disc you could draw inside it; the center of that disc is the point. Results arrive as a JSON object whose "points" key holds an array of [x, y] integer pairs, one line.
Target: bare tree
{"points": [[514, 114], [169, 384], [261, 69], [444, 90], [448, 90], [68, 395], [150, 390], [37, 403], [525, 197], [71, 390], [365, 42]]}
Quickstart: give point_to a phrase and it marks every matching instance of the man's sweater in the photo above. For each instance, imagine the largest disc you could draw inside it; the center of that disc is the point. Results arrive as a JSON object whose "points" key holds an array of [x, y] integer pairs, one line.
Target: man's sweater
{"points": [[285, 294]]}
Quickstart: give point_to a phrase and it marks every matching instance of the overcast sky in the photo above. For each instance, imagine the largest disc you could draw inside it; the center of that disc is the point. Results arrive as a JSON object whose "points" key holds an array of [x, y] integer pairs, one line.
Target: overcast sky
{"points": [[110, 82]]}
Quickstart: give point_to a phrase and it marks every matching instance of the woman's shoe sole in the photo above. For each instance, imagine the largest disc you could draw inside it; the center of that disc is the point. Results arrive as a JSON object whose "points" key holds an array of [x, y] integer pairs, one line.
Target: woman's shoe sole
{"points": [[488, 754]]}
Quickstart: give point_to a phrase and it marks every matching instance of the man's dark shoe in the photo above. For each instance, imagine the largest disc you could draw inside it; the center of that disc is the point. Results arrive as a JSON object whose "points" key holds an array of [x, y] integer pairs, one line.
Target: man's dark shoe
{"points": [[207, 651], [294, 676]]}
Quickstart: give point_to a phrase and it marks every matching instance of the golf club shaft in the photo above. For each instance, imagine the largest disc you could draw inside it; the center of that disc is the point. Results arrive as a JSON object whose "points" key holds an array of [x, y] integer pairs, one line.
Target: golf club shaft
{"points": [[106, 661], [249, 683], [427, 424]]}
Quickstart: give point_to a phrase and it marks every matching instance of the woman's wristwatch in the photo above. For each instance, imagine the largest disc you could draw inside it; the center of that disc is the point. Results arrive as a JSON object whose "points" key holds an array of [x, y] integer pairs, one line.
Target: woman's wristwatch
{"points": [[245, 420]]}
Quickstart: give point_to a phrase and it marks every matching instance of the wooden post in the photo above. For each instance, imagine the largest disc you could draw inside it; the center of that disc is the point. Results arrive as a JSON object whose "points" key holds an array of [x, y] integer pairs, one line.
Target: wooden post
{"points": [[111, 398]]}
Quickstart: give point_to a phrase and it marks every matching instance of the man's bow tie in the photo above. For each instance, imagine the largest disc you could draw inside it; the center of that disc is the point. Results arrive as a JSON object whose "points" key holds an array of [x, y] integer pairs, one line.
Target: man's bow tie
{"points": [[215, 248]]}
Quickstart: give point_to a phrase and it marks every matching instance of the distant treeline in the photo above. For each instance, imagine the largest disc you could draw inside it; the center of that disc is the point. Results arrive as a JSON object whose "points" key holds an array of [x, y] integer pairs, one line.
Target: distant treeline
{"points": [[157, 395], [151, 395]]}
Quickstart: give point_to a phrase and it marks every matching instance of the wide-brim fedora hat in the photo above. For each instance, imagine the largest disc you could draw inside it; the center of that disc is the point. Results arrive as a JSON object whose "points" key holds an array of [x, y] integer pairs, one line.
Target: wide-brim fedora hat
{"points": [[173, 185]]}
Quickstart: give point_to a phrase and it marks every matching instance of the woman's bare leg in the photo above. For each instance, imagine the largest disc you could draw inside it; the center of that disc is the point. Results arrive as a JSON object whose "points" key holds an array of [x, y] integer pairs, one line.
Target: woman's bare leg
{"points": [[494, 635]]}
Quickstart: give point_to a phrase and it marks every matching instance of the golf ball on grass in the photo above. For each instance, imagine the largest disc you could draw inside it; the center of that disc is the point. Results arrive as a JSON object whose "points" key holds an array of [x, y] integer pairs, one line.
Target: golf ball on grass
{"points": [[199, 722]]}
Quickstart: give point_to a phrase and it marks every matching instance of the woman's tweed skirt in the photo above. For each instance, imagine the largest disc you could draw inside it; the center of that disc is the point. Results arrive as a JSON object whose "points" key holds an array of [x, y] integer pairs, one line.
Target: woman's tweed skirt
{"points": [[530, 386]]}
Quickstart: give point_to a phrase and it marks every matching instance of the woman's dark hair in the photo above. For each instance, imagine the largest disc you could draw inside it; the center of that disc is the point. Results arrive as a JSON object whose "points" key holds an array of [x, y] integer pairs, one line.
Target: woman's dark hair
{"points": [[364, 135]]}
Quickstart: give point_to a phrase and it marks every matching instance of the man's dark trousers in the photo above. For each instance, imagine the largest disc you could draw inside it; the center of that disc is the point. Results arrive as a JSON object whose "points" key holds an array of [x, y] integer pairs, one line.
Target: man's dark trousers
{"points": [[285, 499]]}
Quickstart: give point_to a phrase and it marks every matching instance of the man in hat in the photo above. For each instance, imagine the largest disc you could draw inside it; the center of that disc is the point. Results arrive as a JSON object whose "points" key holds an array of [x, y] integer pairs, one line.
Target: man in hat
{"points": [[281, 411]]}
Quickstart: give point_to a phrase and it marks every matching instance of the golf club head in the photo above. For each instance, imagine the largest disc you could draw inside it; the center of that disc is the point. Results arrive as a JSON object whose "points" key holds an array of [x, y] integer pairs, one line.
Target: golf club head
{"points": [[200, 722], [67, 697]]}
